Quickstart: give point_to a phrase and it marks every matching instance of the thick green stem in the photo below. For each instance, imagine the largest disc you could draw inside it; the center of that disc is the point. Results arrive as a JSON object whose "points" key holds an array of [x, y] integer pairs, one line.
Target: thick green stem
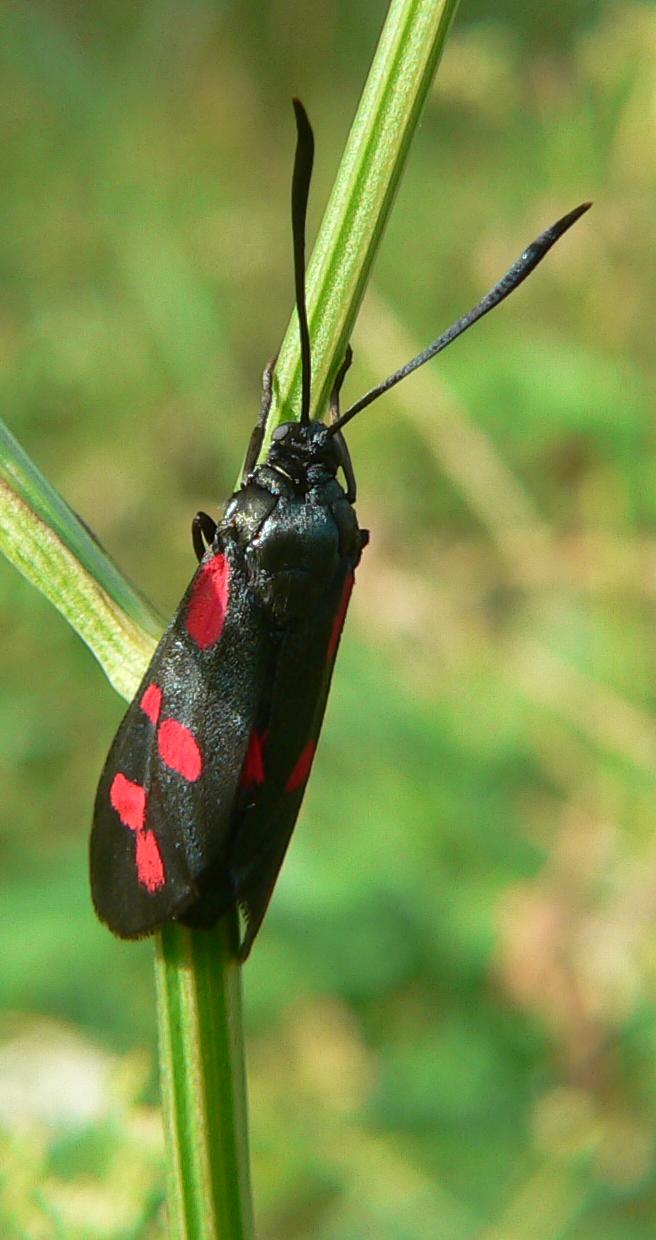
{"points": [[50, 546], [203, 1083]]}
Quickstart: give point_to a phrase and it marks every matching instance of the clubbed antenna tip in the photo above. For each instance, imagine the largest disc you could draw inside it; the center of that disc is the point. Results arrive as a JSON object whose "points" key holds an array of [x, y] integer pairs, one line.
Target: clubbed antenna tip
{"points": [[521, 268]]}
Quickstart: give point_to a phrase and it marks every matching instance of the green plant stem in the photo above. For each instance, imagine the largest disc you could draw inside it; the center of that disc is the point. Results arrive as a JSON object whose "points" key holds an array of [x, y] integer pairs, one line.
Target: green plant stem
{"points": [[198, 983], [400, 77], [203, 1082], [50, 546]]}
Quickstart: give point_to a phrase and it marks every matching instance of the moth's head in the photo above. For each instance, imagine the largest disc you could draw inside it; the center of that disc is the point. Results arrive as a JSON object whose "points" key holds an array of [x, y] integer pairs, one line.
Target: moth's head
{"points": [[306, 443]]}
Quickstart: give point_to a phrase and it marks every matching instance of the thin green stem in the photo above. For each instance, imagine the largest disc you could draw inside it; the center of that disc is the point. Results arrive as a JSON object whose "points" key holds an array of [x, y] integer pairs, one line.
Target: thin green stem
{"points": [[400, 77], [195, 1078]]}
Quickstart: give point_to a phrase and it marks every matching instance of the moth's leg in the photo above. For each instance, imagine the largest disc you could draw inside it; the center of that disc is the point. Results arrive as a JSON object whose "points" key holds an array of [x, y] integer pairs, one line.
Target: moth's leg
{"points": [[203, 529], [347, 466], [257, 434], [334, 414], [337, 385]]}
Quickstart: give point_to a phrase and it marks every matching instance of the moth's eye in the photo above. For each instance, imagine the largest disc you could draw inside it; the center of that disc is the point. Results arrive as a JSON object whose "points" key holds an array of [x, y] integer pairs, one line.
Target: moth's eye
{"points": [[282, 431]]}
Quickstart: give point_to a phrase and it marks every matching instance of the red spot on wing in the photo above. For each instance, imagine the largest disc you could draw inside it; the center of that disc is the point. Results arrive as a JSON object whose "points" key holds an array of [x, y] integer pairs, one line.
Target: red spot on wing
{"points": [[302, 768], [340, 616], [209, 602], [129, 801], [151, 702], [178, 748], [150, 867], [252, 772]]}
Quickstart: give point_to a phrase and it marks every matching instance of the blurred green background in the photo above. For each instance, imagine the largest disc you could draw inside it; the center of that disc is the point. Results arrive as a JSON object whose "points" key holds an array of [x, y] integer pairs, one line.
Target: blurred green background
{"points": [[452, 1005]]}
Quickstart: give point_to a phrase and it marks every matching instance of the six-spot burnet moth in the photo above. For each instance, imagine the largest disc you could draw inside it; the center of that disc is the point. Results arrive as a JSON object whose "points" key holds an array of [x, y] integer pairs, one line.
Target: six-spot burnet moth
{"points": [[205, 778]]}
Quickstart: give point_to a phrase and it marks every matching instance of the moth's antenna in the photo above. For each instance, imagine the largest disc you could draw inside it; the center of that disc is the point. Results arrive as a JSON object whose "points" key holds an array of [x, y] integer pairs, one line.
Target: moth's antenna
{"points": [[513, 277], [302, 175]]}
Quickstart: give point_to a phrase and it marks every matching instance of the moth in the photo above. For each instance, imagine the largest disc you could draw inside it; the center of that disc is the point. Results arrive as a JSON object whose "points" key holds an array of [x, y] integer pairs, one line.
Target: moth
{"points": [[205, 778]]}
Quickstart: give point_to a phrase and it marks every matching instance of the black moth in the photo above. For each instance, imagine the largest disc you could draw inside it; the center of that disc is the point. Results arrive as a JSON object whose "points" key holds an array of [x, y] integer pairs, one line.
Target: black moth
{"points": [[205, 778]]}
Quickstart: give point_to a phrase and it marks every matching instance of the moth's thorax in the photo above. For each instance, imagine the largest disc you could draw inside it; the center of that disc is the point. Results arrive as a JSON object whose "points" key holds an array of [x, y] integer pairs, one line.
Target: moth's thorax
{"points": [[293, 523]]}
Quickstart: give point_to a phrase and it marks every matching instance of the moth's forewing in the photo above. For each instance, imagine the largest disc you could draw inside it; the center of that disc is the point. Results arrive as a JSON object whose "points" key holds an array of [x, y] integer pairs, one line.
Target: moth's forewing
{"points": [[166, 797], [303, 671]]}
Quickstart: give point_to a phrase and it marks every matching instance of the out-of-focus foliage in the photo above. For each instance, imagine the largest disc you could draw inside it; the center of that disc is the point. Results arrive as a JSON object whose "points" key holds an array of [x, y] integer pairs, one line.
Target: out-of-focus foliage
{"points": [[452, 1007]]}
